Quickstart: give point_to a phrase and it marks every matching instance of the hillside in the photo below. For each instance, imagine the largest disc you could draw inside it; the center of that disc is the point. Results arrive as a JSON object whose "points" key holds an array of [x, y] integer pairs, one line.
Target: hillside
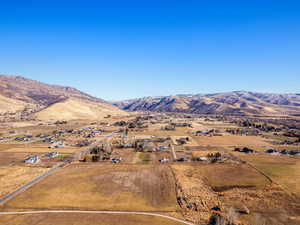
{"points": [[31, 91], [8, 105], [231, 103], [74, 109], [24, 98]]}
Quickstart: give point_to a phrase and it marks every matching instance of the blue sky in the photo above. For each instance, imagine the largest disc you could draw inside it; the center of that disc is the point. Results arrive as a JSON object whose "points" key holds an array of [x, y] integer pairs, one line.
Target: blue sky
{"points": [[126, 49]]}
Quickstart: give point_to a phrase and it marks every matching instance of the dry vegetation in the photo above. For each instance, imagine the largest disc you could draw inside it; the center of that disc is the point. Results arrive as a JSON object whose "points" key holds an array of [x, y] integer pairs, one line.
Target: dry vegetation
{"points": [[8, 158], [12, 177], [73, 109], [139, 182], [231, 141], [282, 169], [40, 150], [85, 219], [106, 187], [232, 185]]}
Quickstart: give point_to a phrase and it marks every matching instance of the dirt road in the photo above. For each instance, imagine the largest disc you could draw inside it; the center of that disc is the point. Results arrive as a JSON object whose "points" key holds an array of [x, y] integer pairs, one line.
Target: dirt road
{"points": [[97, 212]]}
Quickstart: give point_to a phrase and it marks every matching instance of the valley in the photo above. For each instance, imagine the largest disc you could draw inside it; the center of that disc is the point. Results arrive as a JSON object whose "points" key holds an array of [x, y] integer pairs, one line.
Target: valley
{"points": [[75, 159]]}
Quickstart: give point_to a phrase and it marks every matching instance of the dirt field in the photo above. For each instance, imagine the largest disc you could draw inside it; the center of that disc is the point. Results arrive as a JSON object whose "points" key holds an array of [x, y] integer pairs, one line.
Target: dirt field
{"points": [[12, 177], [84, 219], [102, 187], [231, 141]]}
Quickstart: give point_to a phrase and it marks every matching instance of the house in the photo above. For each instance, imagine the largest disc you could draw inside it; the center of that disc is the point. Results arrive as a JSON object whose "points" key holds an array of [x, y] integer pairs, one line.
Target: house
{"points": [[57, 144], [22, 139], [163, 160], [244, 150], [181, 124], [290, 152], [201, 159], [168, 127], [52, 154], [190, 206], [48, 139], [116, 160], [182, 159], [204, 132], [33, 159], [182, 140], [127, 145], [41, 135], [272, 151], [163, 147]]}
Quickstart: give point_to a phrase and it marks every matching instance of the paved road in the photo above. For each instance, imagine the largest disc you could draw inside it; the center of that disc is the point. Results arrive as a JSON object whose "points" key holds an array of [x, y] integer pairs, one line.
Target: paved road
{"points": [[98, 212], [49, 172], [31, 183]]}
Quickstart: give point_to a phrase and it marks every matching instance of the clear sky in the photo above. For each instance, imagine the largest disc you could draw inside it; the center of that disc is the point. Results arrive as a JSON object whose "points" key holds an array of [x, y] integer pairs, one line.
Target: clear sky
{"points": [[126, 49]]}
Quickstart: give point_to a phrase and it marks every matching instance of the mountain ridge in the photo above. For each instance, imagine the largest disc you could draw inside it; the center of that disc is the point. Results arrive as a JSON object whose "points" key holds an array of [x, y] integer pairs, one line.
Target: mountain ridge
{"points": [[22, 98], [236, 103]]}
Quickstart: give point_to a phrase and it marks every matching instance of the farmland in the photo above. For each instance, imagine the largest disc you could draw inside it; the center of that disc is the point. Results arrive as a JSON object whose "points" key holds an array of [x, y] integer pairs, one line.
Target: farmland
{"points": [[11, 177], [143, 188], [284, 170], [85, 219], [189, 172]]}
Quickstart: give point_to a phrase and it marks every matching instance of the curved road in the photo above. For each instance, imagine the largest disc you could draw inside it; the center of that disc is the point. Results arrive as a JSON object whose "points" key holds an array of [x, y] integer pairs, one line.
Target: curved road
{"points": [[97, 212], [38, 179]]}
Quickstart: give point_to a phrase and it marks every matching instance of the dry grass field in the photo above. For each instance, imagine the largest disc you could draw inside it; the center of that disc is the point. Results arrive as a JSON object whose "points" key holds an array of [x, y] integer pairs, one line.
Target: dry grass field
{"points": [[230, 141], [35, 129], [180, 131], [233, 185], [102, 187], [143, 158], [12, 177], [4, 147], [85, 219], [7, 158], [284, 170], [141, 183], [221, 177], [41, 150]]}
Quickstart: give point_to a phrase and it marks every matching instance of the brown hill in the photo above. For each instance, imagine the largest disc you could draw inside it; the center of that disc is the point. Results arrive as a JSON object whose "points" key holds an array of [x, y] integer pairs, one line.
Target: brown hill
{"points": [[31, 91], [231, 103], [24, 98], [74, 109]]}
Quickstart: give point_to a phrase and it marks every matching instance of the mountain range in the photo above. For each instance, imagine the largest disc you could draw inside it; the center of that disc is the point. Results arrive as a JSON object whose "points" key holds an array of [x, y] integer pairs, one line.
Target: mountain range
{"points": [[24, 98], [230, 103]]}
